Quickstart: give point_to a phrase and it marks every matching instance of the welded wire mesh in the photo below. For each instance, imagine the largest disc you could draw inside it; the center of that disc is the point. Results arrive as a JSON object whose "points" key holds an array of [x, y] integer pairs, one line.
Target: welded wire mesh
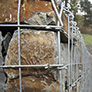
{"points": [[75, 75]]}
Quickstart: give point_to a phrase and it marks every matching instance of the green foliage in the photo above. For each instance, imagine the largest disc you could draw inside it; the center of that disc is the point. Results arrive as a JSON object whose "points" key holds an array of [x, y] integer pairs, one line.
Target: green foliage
{"points": [[84, 22], [83, 29], [74, 7], [86, 6], [80, 20], [87, 39]]}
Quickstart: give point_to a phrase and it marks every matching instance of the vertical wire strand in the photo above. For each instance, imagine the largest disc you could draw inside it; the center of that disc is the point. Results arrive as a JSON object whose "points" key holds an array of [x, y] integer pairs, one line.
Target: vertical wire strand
{"points": [[59, 54], [77, 72], [74, 62], [19, 54], [59, 46], [59, 50], [72, 53], [69, 53]]}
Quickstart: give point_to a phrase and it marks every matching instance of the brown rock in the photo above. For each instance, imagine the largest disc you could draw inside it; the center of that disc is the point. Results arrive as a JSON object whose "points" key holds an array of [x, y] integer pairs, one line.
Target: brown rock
{"points": [[37, 47], [65, 22], [41, 18], [8, 9], [34, 84]]}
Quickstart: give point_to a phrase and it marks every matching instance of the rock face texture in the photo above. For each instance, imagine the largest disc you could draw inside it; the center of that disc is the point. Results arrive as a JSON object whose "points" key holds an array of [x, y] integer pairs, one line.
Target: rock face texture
{"points": [[8, 9], [36, 48], [34, 84], [41, 18]]}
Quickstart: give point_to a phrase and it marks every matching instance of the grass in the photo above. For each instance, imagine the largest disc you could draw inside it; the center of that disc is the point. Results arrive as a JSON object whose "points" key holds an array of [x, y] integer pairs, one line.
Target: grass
{"points": [[87, 39]]}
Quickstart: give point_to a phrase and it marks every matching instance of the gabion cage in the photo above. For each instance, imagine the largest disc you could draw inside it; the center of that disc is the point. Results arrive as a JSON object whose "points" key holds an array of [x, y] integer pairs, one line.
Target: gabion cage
{"points": [[79, 65]]}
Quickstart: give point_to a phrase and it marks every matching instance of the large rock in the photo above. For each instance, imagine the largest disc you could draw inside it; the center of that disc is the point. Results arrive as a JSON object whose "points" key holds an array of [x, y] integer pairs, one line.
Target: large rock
{"points": [[8, 9], [37, 47]]}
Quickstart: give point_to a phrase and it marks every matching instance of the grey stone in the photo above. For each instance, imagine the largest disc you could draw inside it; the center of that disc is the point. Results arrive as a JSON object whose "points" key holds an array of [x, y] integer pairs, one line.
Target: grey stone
{"points": [[41, 18], [6, 41]]}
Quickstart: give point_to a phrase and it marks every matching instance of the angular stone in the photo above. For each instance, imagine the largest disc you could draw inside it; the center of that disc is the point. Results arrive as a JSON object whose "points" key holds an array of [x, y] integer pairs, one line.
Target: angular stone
{"points": [[8, 9], [65, 23], [37, 47], [6, 41], [41, 18]]}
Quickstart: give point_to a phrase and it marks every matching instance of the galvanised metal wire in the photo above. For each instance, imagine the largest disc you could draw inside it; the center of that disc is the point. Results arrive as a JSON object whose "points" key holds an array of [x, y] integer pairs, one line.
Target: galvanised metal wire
{"points": [[79, 63], [19, 53]]}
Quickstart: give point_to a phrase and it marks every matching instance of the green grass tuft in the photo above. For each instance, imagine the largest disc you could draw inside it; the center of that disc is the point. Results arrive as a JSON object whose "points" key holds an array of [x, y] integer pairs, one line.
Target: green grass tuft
{"points": [[87, 39]]}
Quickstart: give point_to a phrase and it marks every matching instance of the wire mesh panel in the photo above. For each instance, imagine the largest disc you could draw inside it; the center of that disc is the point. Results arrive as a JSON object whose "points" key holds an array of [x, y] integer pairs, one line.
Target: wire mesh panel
{"points": [[75, 66]]}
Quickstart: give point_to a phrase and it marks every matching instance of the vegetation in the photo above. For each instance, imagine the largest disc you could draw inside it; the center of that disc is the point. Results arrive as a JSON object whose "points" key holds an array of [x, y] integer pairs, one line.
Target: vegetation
{"points": [[87, 39], [86, 6], [84, 21], [84, 29], [74, 7]]}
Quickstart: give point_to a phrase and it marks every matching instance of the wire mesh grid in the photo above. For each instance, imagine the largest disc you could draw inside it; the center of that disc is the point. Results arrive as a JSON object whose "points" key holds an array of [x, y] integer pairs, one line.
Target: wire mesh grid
{"points": [[79, 64]]}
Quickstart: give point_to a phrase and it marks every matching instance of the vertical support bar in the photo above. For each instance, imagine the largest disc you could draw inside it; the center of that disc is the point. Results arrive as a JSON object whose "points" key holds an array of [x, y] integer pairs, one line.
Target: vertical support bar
{"points": [[19, 54], [59, 46], [69, 53], [59, 54], [75, 64], [72, 71], [81, 66], [77, 70]]}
